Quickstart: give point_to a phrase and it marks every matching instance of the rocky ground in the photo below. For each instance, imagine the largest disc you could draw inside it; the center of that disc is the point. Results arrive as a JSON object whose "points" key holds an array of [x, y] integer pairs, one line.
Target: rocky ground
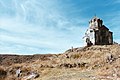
{"points": [[86, 63]]}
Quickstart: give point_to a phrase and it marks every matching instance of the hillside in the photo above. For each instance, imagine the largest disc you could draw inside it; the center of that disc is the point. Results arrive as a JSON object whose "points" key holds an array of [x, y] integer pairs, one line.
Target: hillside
{"points": [[86, 63]]}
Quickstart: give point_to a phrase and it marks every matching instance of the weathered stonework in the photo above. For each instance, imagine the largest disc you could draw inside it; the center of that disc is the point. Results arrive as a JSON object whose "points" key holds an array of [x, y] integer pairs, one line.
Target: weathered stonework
{"points": [[98, 34]]}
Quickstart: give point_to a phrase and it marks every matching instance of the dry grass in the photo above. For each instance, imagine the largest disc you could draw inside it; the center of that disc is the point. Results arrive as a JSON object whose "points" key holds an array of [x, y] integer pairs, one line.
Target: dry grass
{"points": [[87, 64], [76, 56], [3, 73]]}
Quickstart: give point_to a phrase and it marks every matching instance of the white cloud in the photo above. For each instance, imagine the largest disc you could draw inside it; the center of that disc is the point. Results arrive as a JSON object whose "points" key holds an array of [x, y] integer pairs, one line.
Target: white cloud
{"points": [[38, 27]]}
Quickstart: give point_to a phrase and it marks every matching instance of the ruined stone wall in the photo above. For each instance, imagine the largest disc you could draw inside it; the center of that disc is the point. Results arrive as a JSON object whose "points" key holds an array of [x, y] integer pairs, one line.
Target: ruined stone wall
{"points": [[110, 38], [103, 37]]}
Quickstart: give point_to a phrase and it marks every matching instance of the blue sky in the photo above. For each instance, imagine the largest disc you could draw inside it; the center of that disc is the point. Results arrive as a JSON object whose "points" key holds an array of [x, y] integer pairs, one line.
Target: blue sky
{"points": [[52, 26]]}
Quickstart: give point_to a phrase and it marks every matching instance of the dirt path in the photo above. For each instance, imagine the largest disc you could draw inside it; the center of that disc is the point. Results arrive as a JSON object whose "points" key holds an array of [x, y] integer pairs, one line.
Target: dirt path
{"points": [[67, 74]]}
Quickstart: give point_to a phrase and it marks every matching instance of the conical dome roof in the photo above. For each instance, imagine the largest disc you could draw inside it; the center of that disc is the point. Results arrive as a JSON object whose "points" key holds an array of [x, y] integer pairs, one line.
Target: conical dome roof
{"points": [[95, 18]]}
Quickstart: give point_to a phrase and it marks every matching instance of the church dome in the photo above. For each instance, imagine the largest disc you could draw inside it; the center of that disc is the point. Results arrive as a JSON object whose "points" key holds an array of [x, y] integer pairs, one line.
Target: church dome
{"points": [[95, 18], [95, 23]]}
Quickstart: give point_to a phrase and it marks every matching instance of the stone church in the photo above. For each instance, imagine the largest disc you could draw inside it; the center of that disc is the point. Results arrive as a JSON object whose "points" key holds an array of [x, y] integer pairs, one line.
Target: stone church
{"points": [[97, 33]]}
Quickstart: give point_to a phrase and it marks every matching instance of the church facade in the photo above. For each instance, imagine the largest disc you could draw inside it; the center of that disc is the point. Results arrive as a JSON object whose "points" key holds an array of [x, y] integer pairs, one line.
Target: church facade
{"points": [[97, 33]]}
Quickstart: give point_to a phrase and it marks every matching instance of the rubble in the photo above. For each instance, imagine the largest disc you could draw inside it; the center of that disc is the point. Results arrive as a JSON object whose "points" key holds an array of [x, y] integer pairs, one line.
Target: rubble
{"points": [[31, 76]]}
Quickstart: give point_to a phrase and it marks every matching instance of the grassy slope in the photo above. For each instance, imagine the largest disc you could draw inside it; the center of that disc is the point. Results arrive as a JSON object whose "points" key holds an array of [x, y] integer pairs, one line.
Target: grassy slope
{"points": [[86, 63]]}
